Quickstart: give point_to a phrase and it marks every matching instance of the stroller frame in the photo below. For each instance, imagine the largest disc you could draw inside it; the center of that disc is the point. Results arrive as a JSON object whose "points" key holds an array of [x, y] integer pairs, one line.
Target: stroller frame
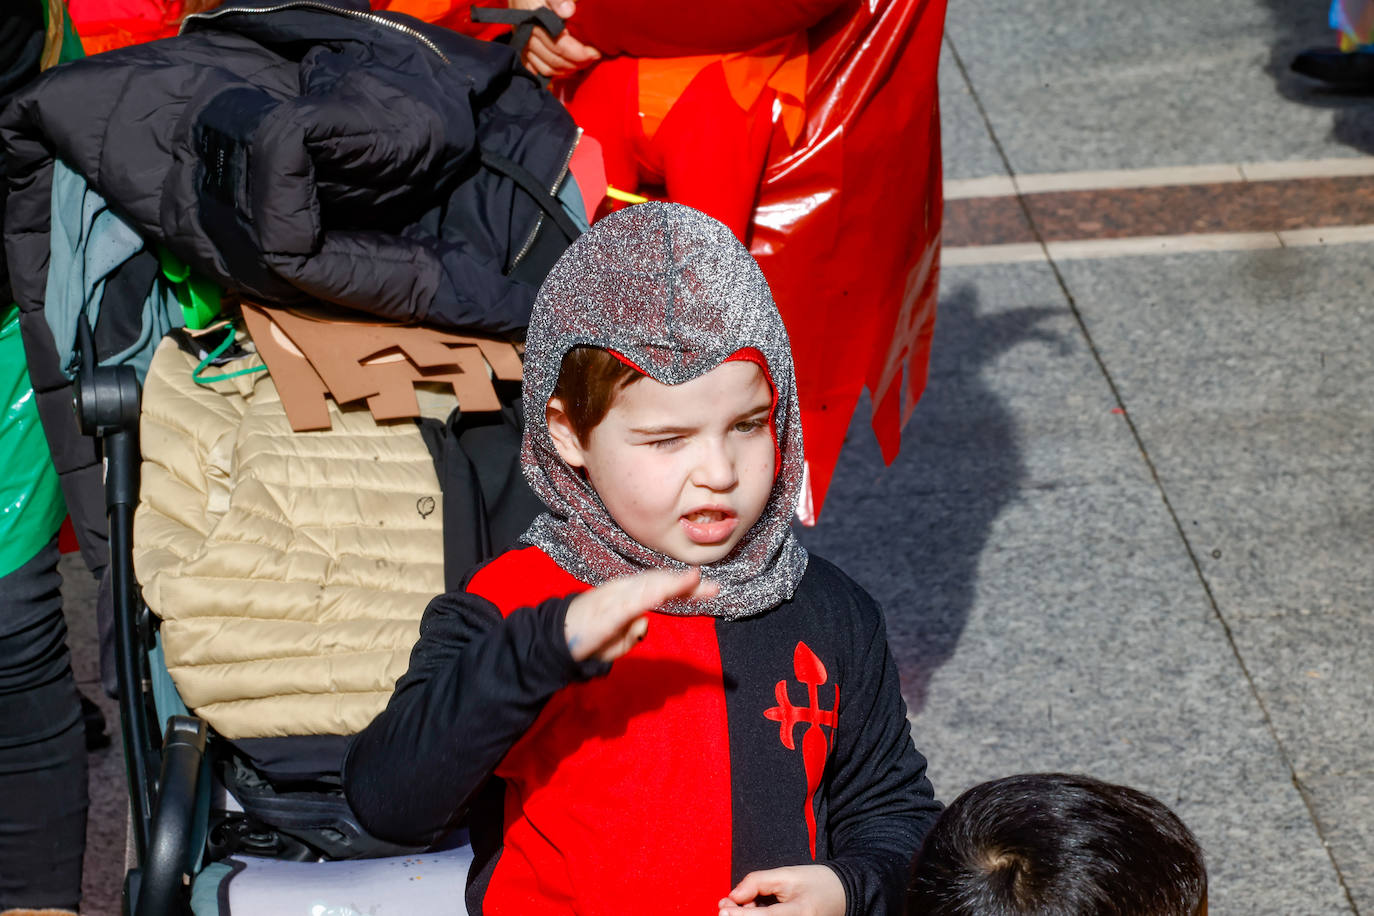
{"points": [[161, 810]]}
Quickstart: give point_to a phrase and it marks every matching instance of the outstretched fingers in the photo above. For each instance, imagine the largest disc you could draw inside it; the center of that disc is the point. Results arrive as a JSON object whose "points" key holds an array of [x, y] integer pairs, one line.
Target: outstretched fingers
{"points": [[607, 621], [653, 589]]}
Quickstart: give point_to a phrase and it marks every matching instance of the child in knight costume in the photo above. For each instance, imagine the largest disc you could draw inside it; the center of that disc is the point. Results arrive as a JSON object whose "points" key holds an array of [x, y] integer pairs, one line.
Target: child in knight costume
{"points": [[657, 700]]}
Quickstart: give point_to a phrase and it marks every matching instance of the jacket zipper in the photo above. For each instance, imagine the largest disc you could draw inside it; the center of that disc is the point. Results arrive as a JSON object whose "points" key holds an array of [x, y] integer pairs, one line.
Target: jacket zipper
{"points": [[325, 7], [562, 173]]}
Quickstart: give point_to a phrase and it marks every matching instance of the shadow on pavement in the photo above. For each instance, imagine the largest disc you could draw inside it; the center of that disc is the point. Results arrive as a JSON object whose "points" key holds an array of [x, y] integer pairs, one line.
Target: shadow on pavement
{"points": [[913, 534], [1302, 24]]}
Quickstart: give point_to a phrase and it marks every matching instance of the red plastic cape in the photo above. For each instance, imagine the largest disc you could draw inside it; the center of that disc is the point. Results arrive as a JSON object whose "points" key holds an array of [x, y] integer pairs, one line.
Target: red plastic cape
{"points": [[847, 224]]}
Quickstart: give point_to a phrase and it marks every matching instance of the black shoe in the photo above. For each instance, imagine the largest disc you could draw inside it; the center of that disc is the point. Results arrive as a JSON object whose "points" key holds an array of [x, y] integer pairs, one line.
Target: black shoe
{"points": [[1338, 69], [96, 738]]}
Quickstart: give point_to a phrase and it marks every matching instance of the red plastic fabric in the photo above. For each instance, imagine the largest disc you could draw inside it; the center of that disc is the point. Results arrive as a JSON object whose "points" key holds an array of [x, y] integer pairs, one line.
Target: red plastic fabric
{"points": [[847, 225], [694, 140]]}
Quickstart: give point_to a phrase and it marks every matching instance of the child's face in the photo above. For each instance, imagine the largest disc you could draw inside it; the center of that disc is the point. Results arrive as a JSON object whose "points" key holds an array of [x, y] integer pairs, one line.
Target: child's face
{"points": [[684, 469]]}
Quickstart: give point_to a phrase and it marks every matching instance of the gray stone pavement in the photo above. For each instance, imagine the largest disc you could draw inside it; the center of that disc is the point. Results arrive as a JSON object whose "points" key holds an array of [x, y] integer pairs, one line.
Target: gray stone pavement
{"points": [[1129, 532], [106, 822], [1128, 535]]}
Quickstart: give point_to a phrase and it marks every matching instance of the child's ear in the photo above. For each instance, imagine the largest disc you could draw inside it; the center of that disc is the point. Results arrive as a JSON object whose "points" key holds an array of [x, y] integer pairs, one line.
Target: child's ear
{"points": [[564, 437]]}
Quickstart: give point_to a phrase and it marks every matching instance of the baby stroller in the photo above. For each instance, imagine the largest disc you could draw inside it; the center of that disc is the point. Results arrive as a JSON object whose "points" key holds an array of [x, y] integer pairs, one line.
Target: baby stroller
{"points": [[290, 154], [238, 825]]}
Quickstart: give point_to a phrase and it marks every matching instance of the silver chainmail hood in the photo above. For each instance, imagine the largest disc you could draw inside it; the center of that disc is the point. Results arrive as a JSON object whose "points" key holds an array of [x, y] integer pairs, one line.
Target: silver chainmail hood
{"points": [[673, 291]]}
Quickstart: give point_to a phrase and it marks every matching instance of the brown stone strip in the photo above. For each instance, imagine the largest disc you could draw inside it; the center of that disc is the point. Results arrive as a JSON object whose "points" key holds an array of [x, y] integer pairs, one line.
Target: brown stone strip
{"points": [[1260, 206], [985, 221]]}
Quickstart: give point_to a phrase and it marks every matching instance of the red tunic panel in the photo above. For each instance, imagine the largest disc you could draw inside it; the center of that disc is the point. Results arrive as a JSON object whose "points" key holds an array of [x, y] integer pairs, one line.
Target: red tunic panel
{"points": [[619, 794]]}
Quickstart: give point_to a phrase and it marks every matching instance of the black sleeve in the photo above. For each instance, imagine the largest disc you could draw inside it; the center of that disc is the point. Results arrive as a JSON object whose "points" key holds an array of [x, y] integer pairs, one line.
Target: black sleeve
{"points": [[881, 803], [475, 684], [21, 46]]}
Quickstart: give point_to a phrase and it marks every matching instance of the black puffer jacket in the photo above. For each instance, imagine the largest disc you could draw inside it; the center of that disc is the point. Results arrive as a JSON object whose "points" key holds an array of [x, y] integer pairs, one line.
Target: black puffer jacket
{"points": [[295, 150], [316, 150]]}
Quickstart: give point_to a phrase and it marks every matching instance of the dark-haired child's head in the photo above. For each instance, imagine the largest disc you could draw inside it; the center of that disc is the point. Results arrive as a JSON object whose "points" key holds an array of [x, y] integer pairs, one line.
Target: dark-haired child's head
{"points": [[1050, 844]]}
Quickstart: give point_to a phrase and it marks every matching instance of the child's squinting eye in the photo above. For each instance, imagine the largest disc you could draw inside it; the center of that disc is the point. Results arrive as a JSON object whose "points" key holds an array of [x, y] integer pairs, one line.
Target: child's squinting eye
{"points": [[666, 443], [749, 426]]}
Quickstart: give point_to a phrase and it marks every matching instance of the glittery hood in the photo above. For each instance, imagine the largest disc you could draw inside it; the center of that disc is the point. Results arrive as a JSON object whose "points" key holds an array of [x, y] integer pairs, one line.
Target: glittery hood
{"points": [[674, 292]]}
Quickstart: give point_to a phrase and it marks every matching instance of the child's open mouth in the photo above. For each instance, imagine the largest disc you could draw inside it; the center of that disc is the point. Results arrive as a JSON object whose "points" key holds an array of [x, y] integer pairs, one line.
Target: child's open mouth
{"points": [[708, 525]]}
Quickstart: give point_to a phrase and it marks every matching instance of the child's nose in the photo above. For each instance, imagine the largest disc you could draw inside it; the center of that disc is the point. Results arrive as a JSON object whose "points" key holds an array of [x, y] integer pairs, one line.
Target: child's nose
{"points": [[715, 469]]}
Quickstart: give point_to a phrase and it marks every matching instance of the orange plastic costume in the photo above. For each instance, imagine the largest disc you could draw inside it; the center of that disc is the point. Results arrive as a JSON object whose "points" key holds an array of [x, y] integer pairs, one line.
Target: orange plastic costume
{"points": [[451, 14], [108, 24], [820, 147]]}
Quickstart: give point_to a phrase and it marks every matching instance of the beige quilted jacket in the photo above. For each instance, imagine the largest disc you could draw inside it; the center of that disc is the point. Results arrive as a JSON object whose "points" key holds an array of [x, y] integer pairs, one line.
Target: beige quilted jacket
{"points": [[290, 569]]}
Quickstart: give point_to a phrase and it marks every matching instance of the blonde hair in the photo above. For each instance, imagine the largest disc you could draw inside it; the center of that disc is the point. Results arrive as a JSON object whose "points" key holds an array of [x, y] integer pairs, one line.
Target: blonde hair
{"points": [[52, 41]]}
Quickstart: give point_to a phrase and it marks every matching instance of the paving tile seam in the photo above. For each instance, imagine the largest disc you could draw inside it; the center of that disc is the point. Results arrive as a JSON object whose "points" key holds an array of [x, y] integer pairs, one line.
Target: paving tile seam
{"points": [[1355, 616], [1011, 185], [1285, 756], [1101, 249], [1268, 476], [1362, 772]]}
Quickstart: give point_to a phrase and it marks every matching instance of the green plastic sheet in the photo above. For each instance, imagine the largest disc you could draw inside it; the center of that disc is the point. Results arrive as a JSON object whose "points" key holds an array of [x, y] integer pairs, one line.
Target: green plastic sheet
{"points": [[31, 505]]}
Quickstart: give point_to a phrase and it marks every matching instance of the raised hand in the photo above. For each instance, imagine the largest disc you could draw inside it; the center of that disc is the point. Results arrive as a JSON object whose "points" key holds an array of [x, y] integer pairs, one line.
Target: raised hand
{"points": [[608, 620]]}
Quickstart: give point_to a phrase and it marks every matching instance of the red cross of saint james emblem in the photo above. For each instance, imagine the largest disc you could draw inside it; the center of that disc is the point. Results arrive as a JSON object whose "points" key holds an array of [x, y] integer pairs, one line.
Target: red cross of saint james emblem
{"points": [[815, 745]]}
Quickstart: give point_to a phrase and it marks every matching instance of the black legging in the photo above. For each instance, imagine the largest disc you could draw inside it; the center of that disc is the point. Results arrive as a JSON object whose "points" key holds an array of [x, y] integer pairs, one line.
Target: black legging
{"points": [[42, 744]]}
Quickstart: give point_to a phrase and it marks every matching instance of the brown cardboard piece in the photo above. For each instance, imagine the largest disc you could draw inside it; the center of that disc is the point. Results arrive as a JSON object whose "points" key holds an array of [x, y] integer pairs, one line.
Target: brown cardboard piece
{"points": [[300, 387], [379, 363]]}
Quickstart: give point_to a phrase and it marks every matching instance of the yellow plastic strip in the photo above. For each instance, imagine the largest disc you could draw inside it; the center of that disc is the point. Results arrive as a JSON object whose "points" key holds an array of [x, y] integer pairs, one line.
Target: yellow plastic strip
{"points": [[625, 196]]}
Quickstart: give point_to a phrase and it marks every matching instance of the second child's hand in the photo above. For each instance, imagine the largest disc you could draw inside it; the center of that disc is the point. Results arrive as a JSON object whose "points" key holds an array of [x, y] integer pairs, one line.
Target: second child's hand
{"points": [[608, 620], [800, 890], [555, 57]]}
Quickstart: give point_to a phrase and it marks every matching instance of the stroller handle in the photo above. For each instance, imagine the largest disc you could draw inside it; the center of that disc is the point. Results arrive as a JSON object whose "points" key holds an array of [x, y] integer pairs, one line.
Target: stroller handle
{"points": [[107, 405]]}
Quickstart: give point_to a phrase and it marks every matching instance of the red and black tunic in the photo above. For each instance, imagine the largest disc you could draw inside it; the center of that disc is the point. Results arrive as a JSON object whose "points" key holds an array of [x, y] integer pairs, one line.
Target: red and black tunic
{"points": [[712, 749]]}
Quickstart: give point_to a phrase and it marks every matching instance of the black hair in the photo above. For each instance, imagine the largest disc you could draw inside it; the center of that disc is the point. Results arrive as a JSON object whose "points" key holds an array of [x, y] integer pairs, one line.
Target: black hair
{"points": [[1052, 844]]}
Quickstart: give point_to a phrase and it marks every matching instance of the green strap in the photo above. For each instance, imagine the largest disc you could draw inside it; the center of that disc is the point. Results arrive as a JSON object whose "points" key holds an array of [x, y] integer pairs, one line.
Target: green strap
{"points": [[212, 356]]}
